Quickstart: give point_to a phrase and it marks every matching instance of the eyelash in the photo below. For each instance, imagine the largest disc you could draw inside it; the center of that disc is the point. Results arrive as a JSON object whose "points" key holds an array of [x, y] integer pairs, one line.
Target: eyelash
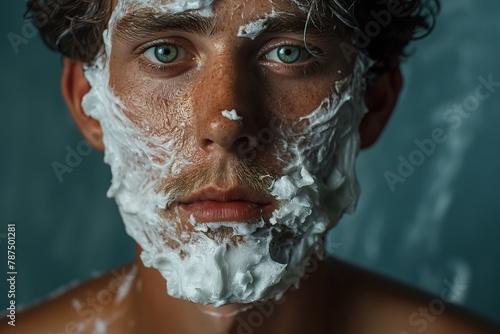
{"points": [[311, 65], [143, 48], [317, 57], [153, 67]]}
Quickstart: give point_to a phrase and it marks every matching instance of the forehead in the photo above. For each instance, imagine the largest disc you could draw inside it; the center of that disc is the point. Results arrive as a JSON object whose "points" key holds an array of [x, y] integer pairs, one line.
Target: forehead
{"points": [[221, 10], [235, 7], [207, 17]]}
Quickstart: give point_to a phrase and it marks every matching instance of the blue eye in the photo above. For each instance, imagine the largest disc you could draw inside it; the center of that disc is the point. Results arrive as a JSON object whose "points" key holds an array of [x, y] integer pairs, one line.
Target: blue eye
{"points": [[288, 54], [166, 53]]}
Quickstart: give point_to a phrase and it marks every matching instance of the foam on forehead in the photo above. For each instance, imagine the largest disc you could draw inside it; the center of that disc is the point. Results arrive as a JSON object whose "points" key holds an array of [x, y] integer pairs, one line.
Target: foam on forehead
{"points": [[173, 6]]}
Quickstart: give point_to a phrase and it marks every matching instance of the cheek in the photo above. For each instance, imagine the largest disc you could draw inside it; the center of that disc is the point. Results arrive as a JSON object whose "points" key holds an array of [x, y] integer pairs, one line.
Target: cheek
{"points": [[292, 100], [153, 106]]}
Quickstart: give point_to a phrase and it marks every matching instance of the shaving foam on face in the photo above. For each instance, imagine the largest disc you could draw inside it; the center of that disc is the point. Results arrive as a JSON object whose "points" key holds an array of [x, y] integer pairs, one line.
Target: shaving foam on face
{"points": [[232, 115], [318, 184], [254, 28], [202, 7]]}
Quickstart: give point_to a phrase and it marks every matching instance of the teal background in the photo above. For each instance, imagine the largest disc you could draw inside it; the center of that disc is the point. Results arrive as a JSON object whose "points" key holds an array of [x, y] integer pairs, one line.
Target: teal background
{"points": [[441, 224]]}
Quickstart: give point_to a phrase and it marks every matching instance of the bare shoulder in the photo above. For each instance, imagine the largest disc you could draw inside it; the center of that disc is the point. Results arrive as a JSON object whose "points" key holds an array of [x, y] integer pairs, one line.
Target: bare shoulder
{"points": [[97, 303], [382, 306]]}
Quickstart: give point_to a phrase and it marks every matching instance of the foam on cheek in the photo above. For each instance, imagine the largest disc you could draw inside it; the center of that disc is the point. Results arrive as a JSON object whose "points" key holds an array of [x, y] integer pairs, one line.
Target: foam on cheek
{"points": [[320, 184], [138, 160]]}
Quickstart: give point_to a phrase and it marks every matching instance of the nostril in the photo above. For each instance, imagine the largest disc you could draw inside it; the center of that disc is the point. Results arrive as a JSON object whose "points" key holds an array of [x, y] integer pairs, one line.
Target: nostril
{"points": [[224, 131], [232, 131], [205, 143]]}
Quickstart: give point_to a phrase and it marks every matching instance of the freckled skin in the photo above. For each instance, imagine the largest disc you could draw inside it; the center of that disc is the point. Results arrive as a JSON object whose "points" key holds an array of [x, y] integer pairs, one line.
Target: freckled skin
{"points": [[191, 96]]}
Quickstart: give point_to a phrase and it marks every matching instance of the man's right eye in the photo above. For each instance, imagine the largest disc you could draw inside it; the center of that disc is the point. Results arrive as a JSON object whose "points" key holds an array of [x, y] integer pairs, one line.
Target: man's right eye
{"points": [[166, 53]]}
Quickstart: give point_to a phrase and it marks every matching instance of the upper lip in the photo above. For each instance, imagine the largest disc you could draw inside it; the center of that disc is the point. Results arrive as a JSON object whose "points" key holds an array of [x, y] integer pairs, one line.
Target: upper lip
{"points": [[225, 195]]}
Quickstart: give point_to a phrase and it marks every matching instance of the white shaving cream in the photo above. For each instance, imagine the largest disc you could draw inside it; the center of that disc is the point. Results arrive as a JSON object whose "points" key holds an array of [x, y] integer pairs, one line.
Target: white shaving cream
{"points": [[253, 29], [317, 186], [203, 7], [232, 115]]}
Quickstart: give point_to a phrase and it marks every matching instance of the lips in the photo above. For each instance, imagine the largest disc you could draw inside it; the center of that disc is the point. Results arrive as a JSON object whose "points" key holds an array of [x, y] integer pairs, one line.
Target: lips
{"points": [[231, 205]]}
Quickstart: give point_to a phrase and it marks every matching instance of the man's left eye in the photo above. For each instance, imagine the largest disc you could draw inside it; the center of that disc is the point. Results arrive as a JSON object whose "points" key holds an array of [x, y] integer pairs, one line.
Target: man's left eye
{"points": [[288, 54]]}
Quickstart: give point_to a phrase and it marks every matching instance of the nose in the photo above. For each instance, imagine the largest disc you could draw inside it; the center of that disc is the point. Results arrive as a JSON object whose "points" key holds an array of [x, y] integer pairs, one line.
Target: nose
{"points": [[226, 108]]}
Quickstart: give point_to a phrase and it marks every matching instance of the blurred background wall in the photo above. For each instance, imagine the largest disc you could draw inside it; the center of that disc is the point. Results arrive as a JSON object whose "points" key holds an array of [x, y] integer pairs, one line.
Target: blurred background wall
{"points": [[429, 223]]}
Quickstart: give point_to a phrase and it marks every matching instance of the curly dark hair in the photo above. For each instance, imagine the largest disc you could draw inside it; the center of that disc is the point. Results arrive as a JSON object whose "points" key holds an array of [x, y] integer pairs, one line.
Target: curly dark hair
{"points": [[74, 27]]}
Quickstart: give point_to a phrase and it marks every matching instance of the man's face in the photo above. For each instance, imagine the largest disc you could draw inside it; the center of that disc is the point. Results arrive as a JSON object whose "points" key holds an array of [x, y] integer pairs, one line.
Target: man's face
{"points": [[231, 142]]}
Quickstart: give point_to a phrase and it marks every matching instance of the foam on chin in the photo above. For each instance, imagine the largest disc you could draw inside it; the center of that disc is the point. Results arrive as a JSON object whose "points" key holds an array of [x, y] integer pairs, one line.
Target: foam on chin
{"points": [[317, 186], [221, 272]]}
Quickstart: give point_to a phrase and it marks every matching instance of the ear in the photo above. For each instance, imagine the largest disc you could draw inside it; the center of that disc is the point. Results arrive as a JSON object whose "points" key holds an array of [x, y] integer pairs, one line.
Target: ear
{"points": [[74, 87], [380, 99]]}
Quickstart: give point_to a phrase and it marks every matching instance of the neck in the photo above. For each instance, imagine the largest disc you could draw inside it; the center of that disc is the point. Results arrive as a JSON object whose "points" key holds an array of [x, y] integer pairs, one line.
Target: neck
{"points": [[163, 313]]}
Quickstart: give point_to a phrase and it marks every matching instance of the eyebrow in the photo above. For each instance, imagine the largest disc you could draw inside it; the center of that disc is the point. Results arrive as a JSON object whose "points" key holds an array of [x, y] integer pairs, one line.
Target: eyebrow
{"points": [[146, 23]]}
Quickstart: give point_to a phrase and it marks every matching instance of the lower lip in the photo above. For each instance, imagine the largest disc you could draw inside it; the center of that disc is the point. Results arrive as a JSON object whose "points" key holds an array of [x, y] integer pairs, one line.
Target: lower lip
{"points": [[234, 211]]}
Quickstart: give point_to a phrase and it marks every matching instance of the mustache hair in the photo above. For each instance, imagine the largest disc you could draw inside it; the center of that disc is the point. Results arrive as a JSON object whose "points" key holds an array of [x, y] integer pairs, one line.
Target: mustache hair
{"points": [[223, 173]]}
